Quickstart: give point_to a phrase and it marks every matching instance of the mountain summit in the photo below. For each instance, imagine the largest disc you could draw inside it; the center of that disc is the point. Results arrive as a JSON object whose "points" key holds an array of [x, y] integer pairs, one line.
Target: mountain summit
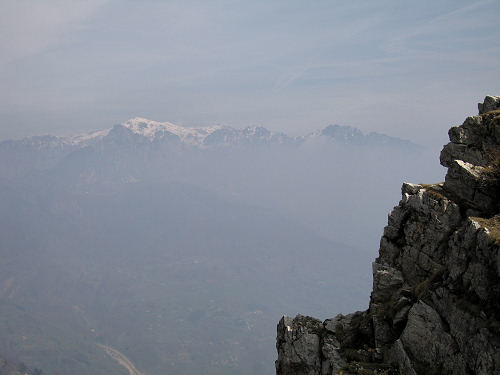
{"points": [[154, 130]]}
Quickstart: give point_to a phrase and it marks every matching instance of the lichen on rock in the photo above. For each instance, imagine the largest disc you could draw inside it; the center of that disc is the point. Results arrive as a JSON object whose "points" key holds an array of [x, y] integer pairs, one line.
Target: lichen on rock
{"points": [[435, 304]]}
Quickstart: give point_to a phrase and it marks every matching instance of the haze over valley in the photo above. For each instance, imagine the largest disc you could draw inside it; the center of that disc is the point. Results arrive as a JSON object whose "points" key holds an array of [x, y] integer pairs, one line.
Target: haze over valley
{"points": [[182, 247]]}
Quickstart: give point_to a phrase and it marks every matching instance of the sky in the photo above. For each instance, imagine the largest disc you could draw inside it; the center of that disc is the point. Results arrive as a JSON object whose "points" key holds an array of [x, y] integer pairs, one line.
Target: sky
{"points": [[410, 69]]}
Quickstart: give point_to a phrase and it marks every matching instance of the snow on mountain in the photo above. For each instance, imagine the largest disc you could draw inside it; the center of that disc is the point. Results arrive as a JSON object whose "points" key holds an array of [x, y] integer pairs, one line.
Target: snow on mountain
{"points": [[204, 136], [84, 139], [209, 136], [153, 130]]}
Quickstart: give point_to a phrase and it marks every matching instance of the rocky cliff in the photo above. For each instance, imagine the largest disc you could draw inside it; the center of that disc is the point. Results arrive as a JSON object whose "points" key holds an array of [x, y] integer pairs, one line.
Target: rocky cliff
{"points": [[435, 304]]}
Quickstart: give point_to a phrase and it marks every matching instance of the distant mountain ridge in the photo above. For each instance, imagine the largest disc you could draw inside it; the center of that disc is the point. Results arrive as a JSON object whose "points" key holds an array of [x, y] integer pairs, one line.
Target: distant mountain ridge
{"points": [[178, 247], [142, 129]]}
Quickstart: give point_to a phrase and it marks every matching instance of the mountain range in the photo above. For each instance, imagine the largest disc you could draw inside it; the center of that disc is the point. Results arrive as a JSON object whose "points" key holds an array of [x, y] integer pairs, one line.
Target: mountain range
{"points": [[178, 248], [141, 129]]}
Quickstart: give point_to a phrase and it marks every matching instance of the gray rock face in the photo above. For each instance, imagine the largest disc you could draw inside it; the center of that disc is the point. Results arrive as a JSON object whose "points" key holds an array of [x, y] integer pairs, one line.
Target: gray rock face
{"points": [[472, 152], [299, 346], [435, 304], [490, 104], [426, 341]]}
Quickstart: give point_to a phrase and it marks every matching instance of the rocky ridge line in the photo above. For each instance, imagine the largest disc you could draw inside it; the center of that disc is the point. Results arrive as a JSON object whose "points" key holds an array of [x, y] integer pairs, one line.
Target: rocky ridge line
{"points": [[435, 304], [144, 131]]}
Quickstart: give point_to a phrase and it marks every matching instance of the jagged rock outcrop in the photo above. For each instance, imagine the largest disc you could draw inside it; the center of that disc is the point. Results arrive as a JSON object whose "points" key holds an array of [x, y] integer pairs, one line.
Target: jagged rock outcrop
{"points": [[435, 304]]}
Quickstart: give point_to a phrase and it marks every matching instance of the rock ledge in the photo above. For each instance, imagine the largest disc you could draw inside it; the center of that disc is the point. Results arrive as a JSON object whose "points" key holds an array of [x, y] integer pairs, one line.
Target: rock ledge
{"points": [[435, 304]]}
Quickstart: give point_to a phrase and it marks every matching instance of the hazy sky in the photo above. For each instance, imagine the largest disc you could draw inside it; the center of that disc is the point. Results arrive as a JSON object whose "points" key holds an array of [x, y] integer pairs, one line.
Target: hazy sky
{"points": [[406, 68]]}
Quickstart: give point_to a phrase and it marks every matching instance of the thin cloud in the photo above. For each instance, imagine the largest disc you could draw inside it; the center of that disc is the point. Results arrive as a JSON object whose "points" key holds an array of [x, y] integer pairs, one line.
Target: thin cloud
{"points": [[451, 25], [30, 27]]}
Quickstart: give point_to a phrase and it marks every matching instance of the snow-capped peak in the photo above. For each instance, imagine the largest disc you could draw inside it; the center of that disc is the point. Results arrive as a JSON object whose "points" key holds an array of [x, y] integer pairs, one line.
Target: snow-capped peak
{"points": [[81, 139], [152, 129]]}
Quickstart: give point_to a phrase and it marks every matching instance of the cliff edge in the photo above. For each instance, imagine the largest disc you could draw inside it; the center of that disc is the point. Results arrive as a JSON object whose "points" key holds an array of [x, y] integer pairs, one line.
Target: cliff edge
{"points": [[435, 304]]}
